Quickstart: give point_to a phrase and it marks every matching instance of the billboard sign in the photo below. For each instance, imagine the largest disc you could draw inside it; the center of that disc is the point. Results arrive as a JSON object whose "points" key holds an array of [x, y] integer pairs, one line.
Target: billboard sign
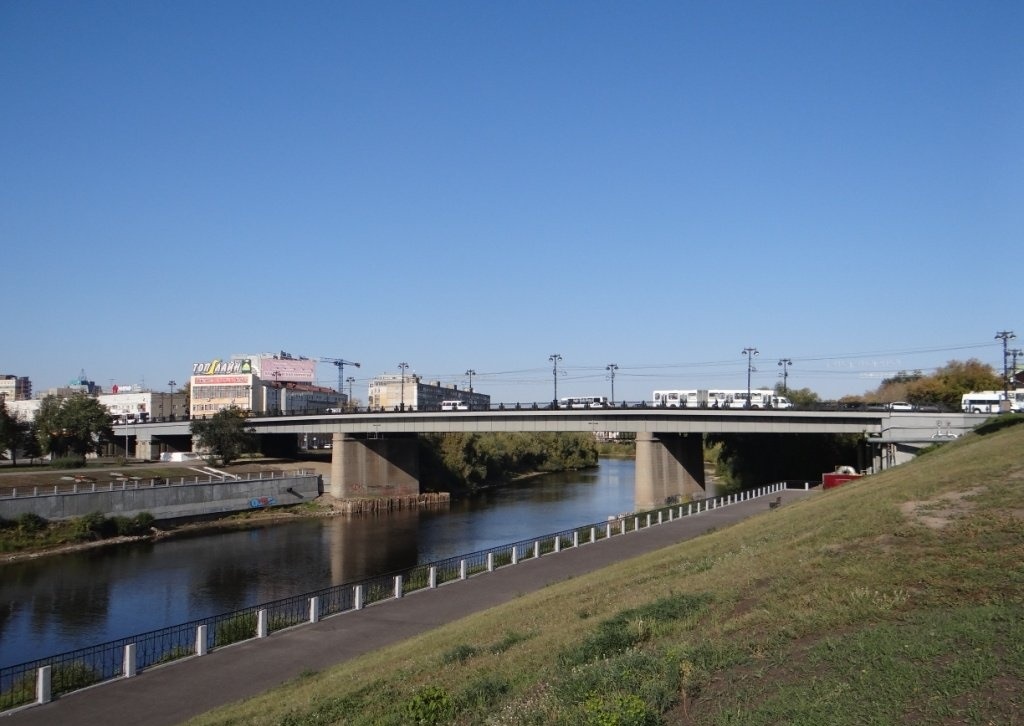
{"points": [[288, 370], [219, 367]]}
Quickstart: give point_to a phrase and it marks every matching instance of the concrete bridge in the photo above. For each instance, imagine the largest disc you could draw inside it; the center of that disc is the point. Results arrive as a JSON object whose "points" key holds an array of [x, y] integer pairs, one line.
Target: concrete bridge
{"points": [[374, 454]]}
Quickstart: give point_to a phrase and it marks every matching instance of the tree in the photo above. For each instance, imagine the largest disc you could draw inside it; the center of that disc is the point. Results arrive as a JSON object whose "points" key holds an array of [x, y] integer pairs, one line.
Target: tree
{"points": [[75, 425], [225, 434], [800, 397], [8, 430]]}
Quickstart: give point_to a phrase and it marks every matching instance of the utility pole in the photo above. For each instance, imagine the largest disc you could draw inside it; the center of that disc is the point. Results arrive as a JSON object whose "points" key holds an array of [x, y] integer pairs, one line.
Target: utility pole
{"points": [[750, 353], [1014, 352], [470, 373], [350, 380], [554, 358], [611, 368], [785, 363], [1006, 336]]}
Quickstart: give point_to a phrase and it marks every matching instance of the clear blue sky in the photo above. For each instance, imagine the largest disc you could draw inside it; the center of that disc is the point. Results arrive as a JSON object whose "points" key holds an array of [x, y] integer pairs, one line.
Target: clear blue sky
{"points": [[479, 185]]}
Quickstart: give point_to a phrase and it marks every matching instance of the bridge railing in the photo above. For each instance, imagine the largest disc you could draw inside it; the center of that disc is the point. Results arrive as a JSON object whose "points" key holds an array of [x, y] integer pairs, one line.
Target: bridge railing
{"points": [[42, 679]]}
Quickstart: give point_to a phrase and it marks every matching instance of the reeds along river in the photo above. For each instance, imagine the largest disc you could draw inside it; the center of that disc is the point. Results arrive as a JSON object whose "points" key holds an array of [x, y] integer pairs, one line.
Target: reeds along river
{"points": [[54, 604]]}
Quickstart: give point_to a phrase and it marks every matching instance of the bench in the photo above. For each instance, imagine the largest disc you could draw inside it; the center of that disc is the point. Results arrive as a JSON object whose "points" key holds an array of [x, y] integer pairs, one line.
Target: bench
{"points": [[776, 503]]}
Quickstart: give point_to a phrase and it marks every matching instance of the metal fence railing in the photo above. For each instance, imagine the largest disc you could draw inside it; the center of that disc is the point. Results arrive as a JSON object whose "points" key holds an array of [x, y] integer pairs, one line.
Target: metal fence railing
{"points": [[40, 680]]}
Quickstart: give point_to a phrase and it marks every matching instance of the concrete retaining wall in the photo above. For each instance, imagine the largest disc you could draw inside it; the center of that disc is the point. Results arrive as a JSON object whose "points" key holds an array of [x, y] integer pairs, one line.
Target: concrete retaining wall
{"points": [[169, 501]]}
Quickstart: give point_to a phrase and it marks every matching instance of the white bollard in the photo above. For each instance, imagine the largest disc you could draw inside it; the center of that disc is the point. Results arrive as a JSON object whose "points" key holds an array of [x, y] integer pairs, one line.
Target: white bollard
{"points": [[314, 609], [490, 562], [358, 597], [261, 623], [558, 544], [576, 538], [660, 515], [593, 535], [432, 578], [201, 640], [689, 508], [515, 555], [462, 569], [636, 524], [608, 531], [43, 694], [536, 549], [398, 586], [129, 661]]}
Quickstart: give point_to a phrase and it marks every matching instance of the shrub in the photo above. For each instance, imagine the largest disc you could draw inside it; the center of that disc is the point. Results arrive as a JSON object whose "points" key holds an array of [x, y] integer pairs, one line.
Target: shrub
{"points": [[68, 462], [458, 654], [93, 526], [30, 523], [430, 705]]}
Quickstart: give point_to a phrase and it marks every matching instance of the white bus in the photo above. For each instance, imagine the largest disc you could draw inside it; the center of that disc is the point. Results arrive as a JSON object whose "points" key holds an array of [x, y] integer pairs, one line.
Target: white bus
{"points": [[583, 402], [719, 398], [990, 401], [454, 406]]}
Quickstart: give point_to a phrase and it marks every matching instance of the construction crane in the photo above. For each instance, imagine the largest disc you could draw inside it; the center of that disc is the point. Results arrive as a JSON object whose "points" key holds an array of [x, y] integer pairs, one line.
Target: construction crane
{"points": [[340, 363]]}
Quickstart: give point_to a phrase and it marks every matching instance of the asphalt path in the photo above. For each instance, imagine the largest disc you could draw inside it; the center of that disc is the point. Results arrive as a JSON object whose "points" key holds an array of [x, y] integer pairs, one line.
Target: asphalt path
{"points": [[173, 693]]}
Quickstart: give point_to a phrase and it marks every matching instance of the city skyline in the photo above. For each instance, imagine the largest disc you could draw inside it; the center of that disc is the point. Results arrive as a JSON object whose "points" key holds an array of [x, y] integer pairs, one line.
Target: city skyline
{"points": [[463, 186]]}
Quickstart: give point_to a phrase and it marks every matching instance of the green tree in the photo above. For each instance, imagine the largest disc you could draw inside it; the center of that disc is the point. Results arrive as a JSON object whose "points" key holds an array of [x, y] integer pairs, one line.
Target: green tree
{"points": [[953, 380], [75, 425], [8, 435], [802, 397], [225, 435]]}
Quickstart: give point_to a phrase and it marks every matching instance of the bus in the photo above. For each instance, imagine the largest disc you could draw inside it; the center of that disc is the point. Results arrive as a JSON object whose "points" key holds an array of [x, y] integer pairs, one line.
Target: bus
{"points": [[991, 401], [454, 406], [583, 402], [719, 398]]}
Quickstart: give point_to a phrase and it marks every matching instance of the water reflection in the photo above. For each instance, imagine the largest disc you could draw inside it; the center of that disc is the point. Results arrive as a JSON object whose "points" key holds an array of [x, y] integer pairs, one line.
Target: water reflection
{"points": [[55, 604]]}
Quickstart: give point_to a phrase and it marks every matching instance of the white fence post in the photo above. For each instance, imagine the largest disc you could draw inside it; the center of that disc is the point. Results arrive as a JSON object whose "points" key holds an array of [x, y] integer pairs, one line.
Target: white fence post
{"points": [[129, 661], [515, 555], [359, 597], [201, 640], [689, 508], [490, 562], [608, 530], [261, 623], [462, 569], [398, 586], [43, 694], [558, 543], [432, 578], [314, 609], [576, 538], [593, 535], [536, 549]]}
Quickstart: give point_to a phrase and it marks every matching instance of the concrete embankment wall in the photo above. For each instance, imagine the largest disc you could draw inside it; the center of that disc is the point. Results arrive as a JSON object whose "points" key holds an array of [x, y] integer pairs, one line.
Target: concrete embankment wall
{"points": [[169, 501]]}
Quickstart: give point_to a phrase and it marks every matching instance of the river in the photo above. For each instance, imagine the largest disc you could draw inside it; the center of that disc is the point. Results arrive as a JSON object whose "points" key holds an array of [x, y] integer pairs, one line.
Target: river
{"points": [[55, 604]]}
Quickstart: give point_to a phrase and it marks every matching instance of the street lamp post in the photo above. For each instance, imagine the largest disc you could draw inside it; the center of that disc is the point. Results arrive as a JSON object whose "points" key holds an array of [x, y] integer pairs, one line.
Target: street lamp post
{"points": [[555, 358], [170, 389], [350, 380], [611, 368], [471, 373], [750, 353], [404, 367], [785, 363]]}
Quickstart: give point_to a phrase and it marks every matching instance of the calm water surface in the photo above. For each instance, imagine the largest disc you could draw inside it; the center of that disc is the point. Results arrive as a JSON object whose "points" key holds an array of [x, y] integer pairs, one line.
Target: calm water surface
{"points": [[56, 604]]}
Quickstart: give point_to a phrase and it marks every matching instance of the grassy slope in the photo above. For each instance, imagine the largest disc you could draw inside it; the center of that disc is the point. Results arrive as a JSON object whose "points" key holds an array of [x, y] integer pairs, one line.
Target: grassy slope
{"points": [[896, 599]]}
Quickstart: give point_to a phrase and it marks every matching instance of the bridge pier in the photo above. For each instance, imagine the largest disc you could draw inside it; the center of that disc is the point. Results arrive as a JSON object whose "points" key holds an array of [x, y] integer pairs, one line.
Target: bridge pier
{"points": [[668, 467], [375, 467]]}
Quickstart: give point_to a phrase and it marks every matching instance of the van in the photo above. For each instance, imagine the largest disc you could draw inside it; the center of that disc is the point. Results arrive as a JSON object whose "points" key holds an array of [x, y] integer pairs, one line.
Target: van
{"points": [[454, 406]]}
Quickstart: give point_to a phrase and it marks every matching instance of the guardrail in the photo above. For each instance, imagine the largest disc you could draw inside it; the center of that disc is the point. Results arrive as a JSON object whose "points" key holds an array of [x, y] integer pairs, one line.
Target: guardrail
{"points": [[124, 484], [40, 680]]}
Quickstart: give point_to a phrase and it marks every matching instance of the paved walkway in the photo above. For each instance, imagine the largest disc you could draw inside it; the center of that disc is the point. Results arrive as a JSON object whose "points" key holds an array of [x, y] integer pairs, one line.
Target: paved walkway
{"points": [[173, 693]]}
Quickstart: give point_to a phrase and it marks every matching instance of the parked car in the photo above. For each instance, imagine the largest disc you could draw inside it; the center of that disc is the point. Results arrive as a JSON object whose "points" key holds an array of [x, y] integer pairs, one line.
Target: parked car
{"points": [[900, 406]]}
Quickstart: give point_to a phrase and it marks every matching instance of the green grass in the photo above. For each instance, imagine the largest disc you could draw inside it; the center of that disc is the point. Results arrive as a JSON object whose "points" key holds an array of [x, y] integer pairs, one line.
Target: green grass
{"points": [[896, 599]]}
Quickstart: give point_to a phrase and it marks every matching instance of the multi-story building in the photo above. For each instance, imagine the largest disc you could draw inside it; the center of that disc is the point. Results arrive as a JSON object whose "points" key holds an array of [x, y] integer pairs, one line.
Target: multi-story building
{"points": [[261, 383], [15, 388], [410, 393], [130, 404]]}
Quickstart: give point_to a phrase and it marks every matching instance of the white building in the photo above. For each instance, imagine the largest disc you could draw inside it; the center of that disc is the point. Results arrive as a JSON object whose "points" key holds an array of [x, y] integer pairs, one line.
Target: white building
{"points": [[409, 392]]}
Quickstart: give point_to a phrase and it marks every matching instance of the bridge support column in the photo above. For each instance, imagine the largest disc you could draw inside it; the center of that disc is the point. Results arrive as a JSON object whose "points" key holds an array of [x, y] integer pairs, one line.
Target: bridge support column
{"points": [[668, 467], [144, 449], [382, 467]]}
